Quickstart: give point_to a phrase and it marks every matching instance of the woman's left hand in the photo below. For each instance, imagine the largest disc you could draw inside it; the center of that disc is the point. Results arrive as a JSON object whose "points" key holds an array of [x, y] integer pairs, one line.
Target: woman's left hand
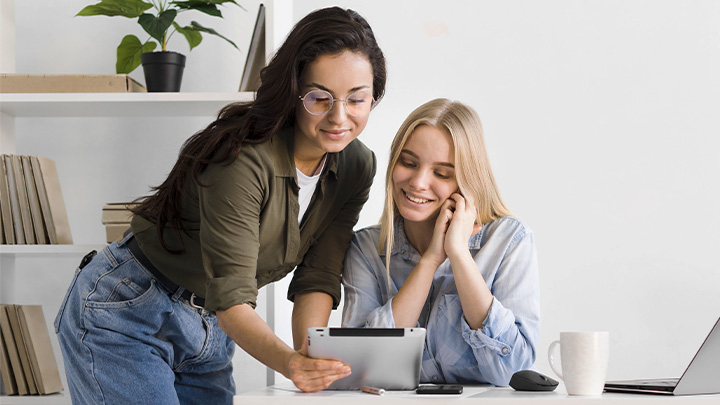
{"points": [[462, 225]]}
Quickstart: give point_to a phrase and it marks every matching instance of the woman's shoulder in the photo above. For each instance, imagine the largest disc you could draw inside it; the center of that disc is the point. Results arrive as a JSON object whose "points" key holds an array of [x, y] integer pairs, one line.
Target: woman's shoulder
{"points": [[356, 154], [367, 237], [508, 226]]}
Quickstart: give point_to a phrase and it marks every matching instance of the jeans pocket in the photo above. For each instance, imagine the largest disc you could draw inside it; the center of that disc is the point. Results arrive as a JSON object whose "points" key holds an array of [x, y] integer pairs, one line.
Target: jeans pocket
{"points": [[58, 317]]}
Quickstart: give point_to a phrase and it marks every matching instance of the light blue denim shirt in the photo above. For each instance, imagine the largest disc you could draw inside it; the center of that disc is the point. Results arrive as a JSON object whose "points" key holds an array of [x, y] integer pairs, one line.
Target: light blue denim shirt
{"points": [[504, 252]]}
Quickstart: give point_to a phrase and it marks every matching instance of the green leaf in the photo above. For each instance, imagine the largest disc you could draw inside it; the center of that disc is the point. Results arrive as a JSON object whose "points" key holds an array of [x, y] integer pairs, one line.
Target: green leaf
{"points": [[124, 8], [211, 31], [158, 26], [192, 35], [129, 51], [205, 6]]}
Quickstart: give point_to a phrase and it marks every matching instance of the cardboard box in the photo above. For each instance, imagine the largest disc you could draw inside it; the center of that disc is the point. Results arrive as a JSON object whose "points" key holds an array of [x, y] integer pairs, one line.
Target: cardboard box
{"points": [[59, 83]]}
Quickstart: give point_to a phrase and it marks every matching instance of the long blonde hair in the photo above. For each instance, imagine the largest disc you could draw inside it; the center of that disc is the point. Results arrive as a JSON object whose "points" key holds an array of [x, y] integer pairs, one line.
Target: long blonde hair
{"points": [[472, 166]]}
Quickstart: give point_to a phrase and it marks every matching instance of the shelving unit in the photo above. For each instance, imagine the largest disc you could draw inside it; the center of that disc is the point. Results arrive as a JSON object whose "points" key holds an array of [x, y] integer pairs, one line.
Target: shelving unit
{"points": [[41, 273]]}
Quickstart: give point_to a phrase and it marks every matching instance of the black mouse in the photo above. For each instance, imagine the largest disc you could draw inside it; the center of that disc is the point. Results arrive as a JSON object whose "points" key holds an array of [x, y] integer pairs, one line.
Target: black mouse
{"points": [[531, 380]]}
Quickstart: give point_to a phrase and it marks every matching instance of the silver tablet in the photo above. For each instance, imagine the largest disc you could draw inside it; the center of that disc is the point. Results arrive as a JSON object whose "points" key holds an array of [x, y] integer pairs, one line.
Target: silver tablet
{"points": [[381, 358]]}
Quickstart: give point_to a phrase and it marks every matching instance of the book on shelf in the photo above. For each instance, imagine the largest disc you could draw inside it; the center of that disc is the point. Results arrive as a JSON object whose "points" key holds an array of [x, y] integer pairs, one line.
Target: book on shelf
{"points": [[31, 367], [34, 203], [19, 234], [116, 217], [33, 208], [7, 220], [68, 83], [13, 355], [58, 219], [23, 200], [22, 351], [36, 339], [255, 60], [117, 213], [9, 385]]}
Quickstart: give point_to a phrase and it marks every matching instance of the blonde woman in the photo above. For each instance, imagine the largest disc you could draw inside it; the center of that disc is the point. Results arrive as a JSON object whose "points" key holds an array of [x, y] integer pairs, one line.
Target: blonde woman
{"points": [[459, 264]]}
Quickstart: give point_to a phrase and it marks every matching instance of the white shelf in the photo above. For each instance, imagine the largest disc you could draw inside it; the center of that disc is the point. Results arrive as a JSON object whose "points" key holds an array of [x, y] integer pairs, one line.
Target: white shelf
{"points": [[52, 399], [117, 104], [47, 250]]}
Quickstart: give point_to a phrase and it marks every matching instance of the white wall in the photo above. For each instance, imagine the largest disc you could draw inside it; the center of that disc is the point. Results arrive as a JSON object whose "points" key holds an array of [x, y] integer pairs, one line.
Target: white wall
{"points": [[601, 119]]}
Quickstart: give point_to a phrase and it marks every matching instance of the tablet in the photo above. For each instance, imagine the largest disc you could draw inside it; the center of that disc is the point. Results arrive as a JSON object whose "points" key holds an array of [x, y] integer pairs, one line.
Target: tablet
{"points": [[382, 358]]}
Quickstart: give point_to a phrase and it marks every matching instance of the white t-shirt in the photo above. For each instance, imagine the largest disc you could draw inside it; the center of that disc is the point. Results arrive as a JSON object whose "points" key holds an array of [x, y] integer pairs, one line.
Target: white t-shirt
{"points": [[307, 189]]}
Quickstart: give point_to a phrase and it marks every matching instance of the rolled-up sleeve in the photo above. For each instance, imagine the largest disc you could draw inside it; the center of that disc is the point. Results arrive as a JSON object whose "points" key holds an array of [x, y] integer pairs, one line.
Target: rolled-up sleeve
{"points": [[508, 337], [230, 205]]}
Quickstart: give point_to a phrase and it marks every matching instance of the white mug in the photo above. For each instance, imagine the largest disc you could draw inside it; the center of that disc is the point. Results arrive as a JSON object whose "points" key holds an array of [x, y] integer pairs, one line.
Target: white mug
{"points": [[584, 360]]}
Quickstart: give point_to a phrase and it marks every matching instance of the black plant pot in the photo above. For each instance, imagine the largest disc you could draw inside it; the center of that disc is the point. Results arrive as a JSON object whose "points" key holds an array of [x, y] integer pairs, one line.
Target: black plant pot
{"points": [[163, 70]]}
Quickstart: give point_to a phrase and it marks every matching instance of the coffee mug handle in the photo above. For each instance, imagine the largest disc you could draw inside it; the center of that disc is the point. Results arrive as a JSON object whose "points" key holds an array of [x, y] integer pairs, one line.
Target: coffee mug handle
{"points": [[551, 358]]}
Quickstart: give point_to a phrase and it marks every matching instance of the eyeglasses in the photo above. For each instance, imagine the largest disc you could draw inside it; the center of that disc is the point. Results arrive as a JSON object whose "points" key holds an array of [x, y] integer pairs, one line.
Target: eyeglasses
{"points": [[320, 102]]}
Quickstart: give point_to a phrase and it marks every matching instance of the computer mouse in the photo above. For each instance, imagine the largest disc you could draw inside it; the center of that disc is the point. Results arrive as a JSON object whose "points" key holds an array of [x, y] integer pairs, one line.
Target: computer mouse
{"points": [[531, 380]]}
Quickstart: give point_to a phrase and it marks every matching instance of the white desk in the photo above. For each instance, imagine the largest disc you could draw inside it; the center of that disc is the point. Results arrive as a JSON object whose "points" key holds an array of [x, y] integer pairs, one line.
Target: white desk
{"points": [[286, 393]]}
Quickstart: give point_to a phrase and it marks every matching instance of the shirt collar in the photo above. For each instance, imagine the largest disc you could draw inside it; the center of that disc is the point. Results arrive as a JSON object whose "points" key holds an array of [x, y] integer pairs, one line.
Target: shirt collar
{"points": [[403, 247], [283, 151]]}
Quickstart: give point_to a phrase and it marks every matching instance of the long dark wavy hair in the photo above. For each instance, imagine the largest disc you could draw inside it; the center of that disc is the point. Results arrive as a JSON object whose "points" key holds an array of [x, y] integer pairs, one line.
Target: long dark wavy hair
{"points": [[328, 31]]}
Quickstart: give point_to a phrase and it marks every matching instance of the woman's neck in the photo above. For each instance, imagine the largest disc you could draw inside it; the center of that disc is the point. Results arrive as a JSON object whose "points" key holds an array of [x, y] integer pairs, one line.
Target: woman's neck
{"points": [[419, 234], [309, 167]]}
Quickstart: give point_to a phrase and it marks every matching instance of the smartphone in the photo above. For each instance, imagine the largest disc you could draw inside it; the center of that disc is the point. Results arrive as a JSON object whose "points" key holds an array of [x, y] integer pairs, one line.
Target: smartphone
{"points": [[440, 389]]}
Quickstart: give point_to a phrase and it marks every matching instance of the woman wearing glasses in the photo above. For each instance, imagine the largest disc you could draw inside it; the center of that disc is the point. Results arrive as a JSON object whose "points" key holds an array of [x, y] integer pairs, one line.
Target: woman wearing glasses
{"points": [[272, 185], [459, 264]]}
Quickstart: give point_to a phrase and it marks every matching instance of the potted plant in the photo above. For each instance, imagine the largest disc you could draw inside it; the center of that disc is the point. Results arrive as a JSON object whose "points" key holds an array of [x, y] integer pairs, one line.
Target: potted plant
{"points": [[163, 69]]}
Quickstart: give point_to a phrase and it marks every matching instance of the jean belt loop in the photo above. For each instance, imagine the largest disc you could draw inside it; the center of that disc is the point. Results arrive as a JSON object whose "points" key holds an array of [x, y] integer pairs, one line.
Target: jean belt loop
{"points": [[178, 294]]}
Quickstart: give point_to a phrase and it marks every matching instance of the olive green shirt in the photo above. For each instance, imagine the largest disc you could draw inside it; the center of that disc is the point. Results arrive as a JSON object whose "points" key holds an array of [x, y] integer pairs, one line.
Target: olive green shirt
{"points": [[242, 225]]}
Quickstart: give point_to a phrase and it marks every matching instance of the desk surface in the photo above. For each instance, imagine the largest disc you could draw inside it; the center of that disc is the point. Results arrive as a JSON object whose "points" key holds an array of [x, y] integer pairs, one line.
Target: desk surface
{"points": [[286, 393]]}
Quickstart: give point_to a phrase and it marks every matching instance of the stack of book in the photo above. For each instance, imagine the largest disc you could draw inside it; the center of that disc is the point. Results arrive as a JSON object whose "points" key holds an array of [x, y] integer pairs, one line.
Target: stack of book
{"points": [[32, 209], [116, 217], [28, 365]]}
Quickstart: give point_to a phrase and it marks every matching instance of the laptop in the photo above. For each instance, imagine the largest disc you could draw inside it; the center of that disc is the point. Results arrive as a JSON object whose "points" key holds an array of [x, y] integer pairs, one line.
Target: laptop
{"points": [[388, 358], [702, 376]]}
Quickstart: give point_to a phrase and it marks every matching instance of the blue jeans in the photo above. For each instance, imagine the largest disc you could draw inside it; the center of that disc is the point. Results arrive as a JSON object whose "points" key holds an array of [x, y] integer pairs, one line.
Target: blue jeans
{"points": [[125, 339]]}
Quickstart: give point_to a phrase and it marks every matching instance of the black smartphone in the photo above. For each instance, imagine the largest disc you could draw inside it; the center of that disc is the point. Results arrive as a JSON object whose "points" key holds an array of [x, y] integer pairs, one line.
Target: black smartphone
{"points": [[440, 389]]}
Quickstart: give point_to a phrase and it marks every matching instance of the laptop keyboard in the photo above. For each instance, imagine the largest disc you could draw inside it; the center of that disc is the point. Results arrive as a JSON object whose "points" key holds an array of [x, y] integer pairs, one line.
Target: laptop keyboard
{"points": [[664, 382]]}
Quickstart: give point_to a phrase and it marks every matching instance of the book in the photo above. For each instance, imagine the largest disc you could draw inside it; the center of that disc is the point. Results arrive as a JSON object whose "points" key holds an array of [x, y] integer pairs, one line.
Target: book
{"points": [[56, 217], [39, 349], [35, 212], [255, 61], [68, 83], [13, 355], [7, 221], [22, 351], [114, 231], [117, 213], [9, 386], [14, 201], [43, 200], [23, 200]]}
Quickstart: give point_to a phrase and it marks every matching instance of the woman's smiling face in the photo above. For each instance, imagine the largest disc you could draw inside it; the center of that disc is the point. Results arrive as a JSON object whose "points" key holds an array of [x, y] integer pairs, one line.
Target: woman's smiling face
{"points": [[424, 175]]}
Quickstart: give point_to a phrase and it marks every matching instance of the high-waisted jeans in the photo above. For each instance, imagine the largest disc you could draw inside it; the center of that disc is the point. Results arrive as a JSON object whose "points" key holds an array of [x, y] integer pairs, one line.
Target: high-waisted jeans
{"points": [[125, 339]]}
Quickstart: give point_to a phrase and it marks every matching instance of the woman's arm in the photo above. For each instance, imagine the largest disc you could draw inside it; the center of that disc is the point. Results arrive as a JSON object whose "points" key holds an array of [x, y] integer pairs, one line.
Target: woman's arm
{"points": [[507, 340], [253, 335], [310, 310], [475, 296]]}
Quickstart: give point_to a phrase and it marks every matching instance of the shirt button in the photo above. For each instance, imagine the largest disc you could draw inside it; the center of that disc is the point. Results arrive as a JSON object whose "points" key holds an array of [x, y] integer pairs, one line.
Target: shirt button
{"points": [[505, 350]]}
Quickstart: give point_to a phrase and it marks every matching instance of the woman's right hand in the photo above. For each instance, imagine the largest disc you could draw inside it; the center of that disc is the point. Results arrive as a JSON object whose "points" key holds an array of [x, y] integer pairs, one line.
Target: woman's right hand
{"points": [[435, 253], [312, 375]]}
